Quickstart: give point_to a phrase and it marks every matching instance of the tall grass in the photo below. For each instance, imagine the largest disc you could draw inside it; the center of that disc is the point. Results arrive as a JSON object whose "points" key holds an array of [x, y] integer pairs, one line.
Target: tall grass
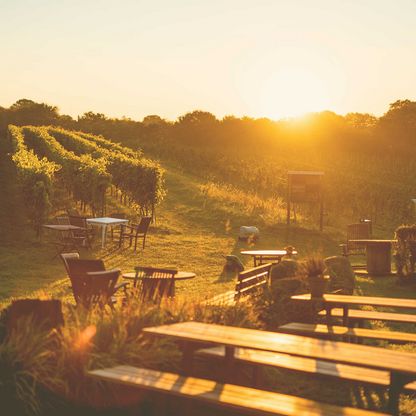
{"points": [[43, 370]]}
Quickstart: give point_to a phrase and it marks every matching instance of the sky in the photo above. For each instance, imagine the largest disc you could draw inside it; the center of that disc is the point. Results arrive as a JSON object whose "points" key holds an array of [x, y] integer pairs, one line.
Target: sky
{"points": [[257, 58]]}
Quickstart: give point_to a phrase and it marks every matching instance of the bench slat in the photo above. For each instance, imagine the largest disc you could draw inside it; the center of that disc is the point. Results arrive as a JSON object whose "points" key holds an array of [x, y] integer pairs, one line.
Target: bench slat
{"points": [[322, 329], [308, 365], [372, 315], [237, 397]]}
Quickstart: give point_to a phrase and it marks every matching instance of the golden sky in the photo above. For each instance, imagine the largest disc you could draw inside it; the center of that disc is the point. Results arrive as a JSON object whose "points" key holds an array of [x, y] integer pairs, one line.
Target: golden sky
{"points": [[259, 58]]}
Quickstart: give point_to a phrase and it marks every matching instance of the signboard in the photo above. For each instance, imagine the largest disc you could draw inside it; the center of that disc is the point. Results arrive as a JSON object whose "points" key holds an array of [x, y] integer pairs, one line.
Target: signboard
{"points": [[305, 186]]}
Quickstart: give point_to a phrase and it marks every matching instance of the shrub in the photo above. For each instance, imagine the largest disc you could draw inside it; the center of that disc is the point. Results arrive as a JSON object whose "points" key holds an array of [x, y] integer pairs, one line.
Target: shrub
{"points": [[33, 362]]}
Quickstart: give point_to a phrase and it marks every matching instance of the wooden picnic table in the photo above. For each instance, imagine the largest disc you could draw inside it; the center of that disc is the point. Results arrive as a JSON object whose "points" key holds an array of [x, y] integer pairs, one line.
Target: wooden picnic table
{"points": [[400, 365], [378, 253], [330, 301], [262, 256]]}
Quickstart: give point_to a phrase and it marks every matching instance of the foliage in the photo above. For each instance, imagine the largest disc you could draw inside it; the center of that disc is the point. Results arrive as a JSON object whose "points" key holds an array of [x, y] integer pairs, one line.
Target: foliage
{"points": [[36, 177], [32, 360], [85, 177], [313, 266], [275, 308], [405, 253], [139, 178], [254, 154]]}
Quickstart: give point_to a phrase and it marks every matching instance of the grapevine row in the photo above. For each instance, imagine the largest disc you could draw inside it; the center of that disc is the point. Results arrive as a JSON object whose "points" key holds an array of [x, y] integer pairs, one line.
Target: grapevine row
{"points": [[139, 178], [35, 175], [85, 177]]}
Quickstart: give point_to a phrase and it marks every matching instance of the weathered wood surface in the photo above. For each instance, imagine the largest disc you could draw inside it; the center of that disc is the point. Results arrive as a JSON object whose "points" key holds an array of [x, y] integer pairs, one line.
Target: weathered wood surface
{"points": [[333, 330], [361, 355], [225, 395], [362, 300], [307, 365], [372, 315]]}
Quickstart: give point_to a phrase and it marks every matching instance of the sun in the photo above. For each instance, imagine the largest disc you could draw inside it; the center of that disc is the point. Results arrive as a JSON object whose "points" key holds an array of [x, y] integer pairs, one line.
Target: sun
{"points": [[292, 92]]}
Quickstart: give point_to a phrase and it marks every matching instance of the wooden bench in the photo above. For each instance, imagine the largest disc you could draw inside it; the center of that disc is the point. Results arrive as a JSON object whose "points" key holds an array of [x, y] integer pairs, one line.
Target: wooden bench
{"points": [[248, 281], [342, 331], [240, 398], [361, 315], [307, 365]]}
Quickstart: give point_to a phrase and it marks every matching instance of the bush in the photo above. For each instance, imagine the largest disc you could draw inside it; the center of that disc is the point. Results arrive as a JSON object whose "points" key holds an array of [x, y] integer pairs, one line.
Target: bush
{"points": [[341, 275], [275, 308]]}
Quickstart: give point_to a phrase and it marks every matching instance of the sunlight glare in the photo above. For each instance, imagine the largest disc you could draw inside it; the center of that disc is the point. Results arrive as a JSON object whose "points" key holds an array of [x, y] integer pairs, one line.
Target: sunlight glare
{"points": [[292, 92]]}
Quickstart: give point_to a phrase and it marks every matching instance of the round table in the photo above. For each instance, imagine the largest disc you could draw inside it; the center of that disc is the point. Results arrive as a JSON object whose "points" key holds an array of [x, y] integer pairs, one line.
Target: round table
{"points": [[378, 254], [165, 286], [262, 256]]}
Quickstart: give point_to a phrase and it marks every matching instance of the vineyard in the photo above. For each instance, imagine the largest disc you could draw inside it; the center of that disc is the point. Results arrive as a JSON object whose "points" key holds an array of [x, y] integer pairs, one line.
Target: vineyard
{"points": [[87, 166], [357, 184]]}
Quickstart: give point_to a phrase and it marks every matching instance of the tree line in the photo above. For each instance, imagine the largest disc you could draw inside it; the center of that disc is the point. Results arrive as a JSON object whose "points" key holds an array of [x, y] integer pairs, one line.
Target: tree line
{"points": [[393, 132]]}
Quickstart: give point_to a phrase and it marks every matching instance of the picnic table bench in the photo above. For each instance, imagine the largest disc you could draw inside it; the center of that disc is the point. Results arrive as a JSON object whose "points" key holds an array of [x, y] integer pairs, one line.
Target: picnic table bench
{"points": [[332, 331], [246, 399], [339, 306], [399, 366]]}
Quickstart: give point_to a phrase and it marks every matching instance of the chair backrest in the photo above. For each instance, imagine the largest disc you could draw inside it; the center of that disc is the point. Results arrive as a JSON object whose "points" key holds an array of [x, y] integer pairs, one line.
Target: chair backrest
{"points": [[99, 287], [78, 221], [144, 225], [358, 231], [68, 256], [250, 280], [157, 283], [77, 272], [154, 272]]}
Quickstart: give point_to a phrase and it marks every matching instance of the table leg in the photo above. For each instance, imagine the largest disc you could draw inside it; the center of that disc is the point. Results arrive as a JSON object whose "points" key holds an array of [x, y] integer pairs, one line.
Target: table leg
{"points": [[397, 381], [229, 363], [103, 233], [345, 316], [328, 315], [379, 259], [187, 357]]}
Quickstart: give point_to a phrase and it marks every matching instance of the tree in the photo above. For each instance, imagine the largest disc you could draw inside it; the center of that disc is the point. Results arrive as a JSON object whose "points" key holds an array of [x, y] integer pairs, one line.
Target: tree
{"points": [[26, 111]]}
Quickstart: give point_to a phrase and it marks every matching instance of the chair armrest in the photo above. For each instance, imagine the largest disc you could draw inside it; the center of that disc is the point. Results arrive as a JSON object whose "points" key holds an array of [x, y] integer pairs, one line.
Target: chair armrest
{"points": [[123, 286], [103, 272]]}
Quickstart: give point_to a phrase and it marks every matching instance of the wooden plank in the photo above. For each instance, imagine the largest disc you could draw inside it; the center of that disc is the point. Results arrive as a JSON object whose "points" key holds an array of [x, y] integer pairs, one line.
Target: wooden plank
{"points": [[373, 315], [341, 352], [226, 395], [307, 365], [322, 329], [362, 300]]}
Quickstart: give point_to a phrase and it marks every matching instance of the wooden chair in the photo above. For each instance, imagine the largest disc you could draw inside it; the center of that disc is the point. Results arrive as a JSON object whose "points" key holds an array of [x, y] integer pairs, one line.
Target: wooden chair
{"points": [[358, 231], [91, 282], [81, 237], [66, 239], [156, 283], [100, 287], [134, 232]]}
